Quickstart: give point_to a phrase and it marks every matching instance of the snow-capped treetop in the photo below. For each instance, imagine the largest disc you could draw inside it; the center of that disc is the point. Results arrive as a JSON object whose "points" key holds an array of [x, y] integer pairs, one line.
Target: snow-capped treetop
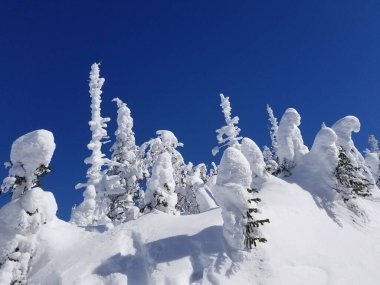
{"points": [[344, 128], [32, 150], [373, 143], [274, 128], [228, 135], [125, 143], [254, 156], [325, 137], [289, 138], [168, 138], [30, 158], [234, 168]]}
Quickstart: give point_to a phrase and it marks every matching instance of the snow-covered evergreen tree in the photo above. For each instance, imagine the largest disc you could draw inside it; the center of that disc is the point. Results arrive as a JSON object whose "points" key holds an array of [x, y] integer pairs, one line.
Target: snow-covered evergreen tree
{"points": [[271, 165], [372, 158], [353, 176], [232, 191], [31, 207], [125, 171], [160, 193], [95, 204], [228, 135], [30, 158], [273, 128], [167, 142], [289, 141]]}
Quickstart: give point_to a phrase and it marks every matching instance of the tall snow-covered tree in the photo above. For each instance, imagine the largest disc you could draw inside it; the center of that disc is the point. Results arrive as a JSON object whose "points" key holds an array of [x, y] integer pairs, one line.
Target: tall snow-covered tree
{"points": [[31, 207], [228, 135], [353, 176], [289, 141], [125, 170], [94, 207], [273, 128], [241, 217]]}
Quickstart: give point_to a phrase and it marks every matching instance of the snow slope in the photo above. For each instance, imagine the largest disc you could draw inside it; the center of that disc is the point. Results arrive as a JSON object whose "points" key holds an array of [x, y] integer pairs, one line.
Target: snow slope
{"points": [[306, 245]]}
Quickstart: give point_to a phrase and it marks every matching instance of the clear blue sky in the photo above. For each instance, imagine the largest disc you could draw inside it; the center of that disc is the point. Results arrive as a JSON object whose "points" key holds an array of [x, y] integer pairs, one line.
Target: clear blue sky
{"points": [[169, 60]]}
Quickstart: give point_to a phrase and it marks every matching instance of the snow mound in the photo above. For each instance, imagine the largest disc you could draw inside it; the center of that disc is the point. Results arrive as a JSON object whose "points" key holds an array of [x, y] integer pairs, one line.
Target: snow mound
{"points": [[316, 168], [26, 214]]}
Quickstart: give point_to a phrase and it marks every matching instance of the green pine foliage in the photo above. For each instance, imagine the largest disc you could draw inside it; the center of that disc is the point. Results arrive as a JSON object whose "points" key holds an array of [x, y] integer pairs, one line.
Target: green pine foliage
{"points": [[251, 232], [350, 178]]}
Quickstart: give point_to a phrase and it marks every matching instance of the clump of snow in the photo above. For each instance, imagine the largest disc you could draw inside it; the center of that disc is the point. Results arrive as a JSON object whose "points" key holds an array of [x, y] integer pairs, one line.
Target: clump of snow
{"points": [[29, 154], [289, 139], [168, 138], [29, 212], [256, 160]]}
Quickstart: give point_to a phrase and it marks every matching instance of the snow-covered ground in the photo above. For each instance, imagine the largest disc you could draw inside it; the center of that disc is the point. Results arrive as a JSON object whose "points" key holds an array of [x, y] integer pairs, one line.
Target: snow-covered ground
{"points": [[306, 245]]}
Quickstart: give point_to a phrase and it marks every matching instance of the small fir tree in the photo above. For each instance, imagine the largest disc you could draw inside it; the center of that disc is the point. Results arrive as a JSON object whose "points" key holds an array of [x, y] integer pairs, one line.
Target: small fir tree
{"points": [[251, 233], [228, 135], [350, 178]]}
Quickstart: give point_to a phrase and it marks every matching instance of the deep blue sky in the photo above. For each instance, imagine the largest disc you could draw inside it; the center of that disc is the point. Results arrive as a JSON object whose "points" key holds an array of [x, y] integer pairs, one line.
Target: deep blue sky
{"points": [[169, 60]]}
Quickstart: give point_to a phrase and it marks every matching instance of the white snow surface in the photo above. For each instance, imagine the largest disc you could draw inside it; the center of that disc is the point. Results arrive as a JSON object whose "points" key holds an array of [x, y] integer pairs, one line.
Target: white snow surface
{"points": [[305, 246]]}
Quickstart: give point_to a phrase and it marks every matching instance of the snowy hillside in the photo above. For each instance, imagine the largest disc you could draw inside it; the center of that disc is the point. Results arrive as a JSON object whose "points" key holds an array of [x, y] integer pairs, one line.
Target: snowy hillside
{"points": [[284, 214], [305, 246]]}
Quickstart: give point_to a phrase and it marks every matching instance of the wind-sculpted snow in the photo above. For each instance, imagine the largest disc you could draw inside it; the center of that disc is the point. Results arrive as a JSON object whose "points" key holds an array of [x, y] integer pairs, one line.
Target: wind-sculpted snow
{"points": [[255, 158], [316, 168], [289, 139]]}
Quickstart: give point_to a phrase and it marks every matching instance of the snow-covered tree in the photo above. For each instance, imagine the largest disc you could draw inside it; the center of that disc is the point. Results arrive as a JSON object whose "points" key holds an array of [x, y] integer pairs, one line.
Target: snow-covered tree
{"points": [[273, 128], [233, 193], [228, 135], [160, 193], [167, 142], [30, 158], [271, 165], [31, 208], [255, 158], [125, 173], [372, 158], [316, 169], [353, 176], [289, 141], [94, 207]]}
